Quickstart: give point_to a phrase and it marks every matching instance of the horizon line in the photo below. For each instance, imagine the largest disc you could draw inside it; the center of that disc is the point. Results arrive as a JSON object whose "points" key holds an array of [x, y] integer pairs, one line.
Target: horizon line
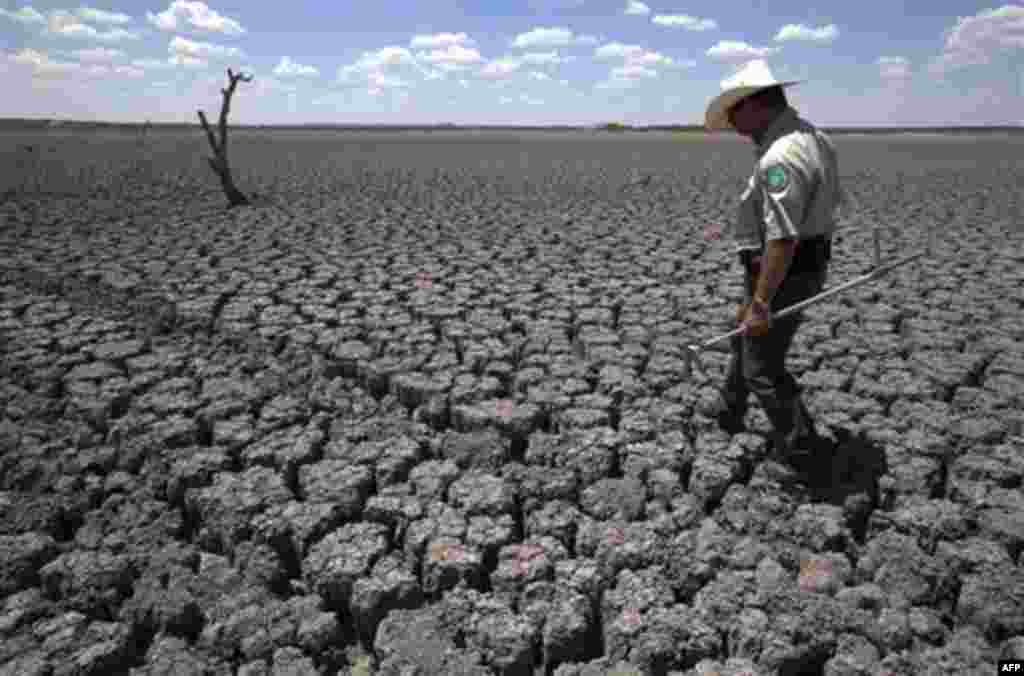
{"points": [[603, 126]]}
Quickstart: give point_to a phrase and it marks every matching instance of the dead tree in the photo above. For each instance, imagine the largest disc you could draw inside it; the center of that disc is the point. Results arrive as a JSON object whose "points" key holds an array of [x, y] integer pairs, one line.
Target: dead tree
{"points": [[219, 161]]}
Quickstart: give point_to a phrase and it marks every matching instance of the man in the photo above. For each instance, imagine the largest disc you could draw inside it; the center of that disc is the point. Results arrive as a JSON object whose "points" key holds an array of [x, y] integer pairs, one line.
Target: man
{"points": [[783, 237]]}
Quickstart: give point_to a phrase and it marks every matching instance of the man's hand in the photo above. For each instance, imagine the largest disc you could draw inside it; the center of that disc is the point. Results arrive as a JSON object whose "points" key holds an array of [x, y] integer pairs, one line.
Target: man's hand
{"points": [[756, 318], [768, 272]]}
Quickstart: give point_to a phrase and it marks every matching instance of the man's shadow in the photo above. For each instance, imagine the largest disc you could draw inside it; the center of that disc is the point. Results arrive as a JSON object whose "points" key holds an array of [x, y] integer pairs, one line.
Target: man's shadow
{"points": [[843, 468]]}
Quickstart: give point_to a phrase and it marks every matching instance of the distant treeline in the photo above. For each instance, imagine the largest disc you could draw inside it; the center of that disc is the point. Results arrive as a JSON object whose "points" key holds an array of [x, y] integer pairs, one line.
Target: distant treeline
{"points": [[18, 124]]}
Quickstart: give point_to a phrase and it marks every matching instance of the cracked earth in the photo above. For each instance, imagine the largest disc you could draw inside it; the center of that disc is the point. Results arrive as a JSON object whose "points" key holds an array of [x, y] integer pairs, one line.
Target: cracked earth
{"points": [[436, 421]]}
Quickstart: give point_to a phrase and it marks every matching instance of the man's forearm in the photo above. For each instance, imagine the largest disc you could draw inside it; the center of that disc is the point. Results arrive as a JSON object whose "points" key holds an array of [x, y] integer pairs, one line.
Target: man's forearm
{"points": [[777, 257]]}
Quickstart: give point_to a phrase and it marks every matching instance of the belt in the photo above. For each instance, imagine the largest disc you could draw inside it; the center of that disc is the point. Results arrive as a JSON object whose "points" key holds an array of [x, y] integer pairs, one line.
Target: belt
{"points": [[811, 255]]}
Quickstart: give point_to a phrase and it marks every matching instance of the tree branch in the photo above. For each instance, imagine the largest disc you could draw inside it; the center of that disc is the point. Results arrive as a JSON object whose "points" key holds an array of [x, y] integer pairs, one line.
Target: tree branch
{"points": [[219, 161], [209, 133], [226, 107]]}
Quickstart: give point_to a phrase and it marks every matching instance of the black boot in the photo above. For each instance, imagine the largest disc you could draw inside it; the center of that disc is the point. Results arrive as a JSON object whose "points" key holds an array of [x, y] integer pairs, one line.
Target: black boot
{"points": [[803, 448], [808, 441], [728, 415], [793, 431]]}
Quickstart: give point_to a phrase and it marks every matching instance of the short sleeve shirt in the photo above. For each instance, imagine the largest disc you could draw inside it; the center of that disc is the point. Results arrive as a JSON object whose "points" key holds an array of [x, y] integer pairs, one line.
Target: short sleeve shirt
{"points": [[794, 190]]}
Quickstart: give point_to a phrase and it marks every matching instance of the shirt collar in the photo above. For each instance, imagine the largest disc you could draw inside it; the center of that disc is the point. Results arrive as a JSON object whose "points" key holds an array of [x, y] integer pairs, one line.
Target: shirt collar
{"points": [[786, 122]]}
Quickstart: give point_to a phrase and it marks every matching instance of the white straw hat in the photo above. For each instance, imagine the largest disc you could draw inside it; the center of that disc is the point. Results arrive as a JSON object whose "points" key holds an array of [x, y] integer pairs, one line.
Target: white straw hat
{"points": [[752, 78]]}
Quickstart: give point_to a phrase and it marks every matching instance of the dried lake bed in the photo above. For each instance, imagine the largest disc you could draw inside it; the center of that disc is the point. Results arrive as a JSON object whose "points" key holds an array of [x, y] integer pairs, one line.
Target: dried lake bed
{"points": [[424, 404]]}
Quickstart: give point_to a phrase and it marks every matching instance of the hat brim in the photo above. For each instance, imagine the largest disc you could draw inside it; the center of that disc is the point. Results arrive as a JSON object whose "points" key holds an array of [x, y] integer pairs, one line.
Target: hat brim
{"points": [[717, 115]]}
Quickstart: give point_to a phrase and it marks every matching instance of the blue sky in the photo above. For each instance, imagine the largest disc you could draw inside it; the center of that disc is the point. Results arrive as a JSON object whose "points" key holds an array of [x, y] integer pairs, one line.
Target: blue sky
{"points": [[866, 63]]}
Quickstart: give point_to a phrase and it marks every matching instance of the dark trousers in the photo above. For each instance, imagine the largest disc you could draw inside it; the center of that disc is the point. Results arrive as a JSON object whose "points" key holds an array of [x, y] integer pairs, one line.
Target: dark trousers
{"points": [[758, 364]]}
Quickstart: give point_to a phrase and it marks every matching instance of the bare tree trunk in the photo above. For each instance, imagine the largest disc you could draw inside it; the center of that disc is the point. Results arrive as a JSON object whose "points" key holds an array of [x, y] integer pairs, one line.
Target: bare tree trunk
{"points": [[219, 162]]}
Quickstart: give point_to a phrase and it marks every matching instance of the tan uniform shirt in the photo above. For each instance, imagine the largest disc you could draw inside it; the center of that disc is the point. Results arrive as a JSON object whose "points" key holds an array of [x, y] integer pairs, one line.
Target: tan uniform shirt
{"points": [[794, 190]]}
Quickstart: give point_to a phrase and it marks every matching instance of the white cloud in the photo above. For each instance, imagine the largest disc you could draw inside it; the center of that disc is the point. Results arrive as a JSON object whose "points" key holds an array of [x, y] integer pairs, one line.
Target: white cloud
{"points": [[128, 71], [381, 70], [115, 35], [378, 84], [187, 61], [439, 40], [98, 55], [650, 59], [190, 53], [893, 67], [633, 55], [196, 14], [500, 69], [637, 65], [550, 37], [287, 67], [382, 58], [41, 64], [633, 72], [616, 50], [42, 67], [453, 55], [165, 20], [637, 8], [267, 85], [1003, 28], [537, 75], [100, 16], [24, 15], [543, 58], [730, 51], [975, 39], [690, 23], [66, 24], [795, 32]]}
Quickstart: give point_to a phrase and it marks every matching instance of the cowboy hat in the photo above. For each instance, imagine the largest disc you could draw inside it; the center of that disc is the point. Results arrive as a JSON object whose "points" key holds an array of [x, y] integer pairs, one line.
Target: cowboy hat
{"points": [[748, 80]]}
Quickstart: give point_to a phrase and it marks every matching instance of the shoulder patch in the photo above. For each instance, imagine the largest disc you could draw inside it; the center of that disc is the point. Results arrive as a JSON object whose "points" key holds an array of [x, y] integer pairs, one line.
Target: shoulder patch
{"points": [[776, 177]]}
